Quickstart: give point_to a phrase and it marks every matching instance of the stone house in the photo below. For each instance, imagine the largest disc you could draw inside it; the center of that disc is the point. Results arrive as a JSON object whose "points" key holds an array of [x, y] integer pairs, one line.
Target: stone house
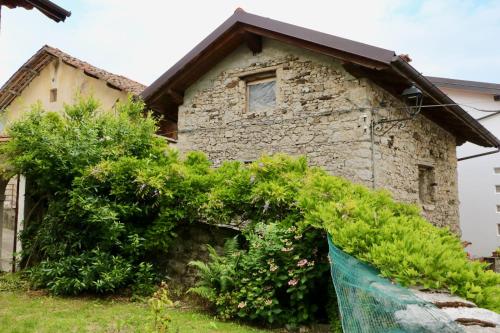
{"points": [[258, 86], [52, 78]]}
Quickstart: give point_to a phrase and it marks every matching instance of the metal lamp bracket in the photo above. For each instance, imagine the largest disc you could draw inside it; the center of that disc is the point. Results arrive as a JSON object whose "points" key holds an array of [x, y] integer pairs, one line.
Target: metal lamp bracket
{"points": [[414, 99]]}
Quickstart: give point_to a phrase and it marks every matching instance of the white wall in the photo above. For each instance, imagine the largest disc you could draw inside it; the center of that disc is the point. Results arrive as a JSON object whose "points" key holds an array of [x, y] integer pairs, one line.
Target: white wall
{"points": [[477, 180]]}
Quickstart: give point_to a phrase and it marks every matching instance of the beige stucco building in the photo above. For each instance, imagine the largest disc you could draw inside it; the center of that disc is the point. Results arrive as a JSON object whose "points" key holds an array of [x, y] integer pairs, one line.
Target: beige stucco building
{"points": [[51, 78], [54, 78], [258, 86]]}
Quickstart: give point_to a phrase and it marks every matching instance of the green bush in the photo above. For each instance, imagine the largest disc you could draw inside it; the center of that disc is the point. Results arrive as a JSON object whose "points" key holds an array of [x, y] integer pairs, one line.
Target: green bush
{"points": [[394, 238], [13, 282], [274, 281], [103, 178], [367, 224]]}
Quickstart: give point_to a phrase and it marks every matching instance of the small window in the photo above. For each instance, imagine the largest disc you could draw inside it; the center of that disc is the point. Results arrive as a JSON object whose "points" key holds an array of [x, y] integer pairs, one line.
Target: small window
{"points": [[497, 188], [496, 171], [53, 95], [426, 184], [498, 208], [261, 95], [498, 229]]}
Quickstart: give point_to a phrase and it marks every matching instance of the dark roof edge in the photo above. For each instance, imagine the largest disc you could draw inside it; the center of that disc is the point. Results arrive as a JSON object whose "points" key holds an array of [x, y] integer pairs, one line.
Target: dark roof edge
{"points": [[484, 87], [156, 86], [240, 17], [50, 9], [441, 98]]}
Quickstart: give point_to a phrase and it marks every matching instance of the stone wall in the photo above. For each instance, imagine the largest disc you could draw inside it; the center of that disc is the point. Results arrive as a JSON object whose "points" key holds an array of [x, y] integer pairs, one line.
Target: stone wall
{"points": [[322, 112], [191, 244]]}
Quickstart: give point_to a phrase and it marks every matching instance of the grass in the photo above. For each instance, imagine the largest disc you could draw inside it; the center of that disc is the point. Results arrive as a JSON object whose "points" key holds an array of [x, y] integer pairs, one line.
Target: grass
{"points": [[23, 312]]}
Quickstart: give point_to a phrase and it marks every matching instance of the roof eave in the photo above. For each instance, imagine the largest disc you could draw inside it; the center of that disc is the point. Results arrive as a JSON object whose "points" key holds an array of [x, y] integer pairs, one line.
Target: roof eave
{"points": [[50, 9]]}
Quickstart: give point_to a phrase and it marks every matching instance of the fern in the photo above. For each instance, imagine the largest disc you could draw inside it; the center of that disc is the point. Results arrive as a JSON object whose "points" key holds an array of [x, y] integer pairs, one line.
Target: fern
{"points": [[218, 275]]}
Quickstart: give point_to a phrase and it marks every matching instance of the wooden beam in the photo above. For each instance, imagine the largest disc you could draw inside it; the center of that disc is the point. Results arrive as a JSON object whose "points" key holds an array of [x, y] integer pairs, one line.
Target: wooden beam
{"points": [[317, 48], [177, 97], [253, 42], [31, 70]]}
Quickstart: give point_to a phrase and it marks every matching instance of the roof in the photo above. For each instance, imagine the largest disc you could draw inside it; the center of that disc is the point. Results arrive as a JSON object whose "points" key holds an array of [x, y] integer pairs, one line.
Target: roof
{"points": [[380, 65], [48, 8], [27, 72], [481, 87]]}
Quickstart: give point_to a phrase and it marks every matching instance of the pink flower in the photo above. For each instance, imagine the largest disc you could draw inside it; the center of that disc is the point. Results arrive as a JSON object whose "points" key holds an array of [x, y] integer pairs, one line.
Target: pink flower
{"points": [[241, 305], [293, 282], [302, 263]]}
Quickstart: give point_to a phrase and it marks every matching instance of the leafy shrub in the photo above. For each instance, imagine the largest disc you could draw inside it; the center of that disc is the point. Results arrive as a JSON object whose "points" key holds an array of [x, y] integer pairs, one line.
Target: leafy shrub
{"points": [[12, 282], [394, 238], [159, 304], [273, 281], [94, 271], [103, 177], [367, 224]]}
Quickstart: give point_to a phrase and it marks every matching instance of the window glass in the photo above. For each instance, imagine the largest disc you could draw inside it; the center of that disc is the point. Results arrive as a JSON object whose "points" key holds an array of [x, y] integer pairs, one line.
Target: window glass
{"points": [[261, 95]]}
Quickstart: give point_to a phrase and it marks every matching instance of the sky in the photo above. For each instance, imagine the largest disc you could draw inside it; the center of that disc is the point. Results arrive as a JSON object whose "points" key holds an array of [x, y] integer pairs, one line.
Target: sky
{"points": [[142, 39]]}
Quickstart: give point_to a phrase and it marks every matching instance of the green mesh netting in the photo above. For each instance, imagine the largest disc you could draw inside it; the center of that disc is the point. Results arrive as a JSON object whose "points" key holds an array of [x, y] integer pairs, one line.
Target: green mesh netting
{"points": [[369, 303]]}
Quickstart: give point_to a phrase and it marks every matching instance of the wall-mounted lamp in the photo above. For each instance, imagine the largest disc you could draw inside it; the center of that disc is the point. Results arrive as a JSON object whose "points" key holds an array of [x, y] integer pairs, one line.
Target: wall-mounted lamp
{"points": [[413, 98]]}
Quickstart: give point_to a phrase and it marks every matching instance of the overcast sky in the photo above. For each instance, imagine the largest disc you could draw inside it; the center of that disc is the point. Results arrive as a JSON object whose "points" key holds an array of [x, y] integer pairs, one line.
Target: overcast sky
{"points": [[142, 39]]}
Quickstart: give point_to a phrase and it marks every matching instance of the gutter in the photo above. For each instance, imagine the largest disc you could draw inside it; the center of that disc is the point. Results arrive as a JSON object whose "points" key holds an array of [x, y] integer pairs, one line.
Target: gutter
{"points": [[406, 70]]}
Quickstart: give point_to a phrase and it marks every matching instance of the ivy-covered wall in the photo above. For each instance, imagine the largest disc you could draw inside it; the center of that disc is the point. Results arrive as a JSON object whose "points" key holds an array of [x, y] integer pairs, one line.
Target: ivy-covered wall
{"points": [[318, 114]]}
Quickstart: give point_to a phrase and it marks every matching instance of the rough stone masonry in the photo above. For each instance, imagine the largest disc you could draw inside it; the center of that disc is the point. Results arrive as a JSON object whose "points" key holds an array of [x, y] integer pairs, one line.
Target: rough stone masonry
{"points": [[325, 113]]}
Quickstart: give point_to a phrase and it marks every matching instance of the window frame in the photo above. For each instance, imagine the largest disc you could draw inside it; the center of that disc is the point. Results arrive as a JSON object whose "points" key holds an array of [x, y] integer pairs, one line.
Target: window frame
{"points": [[53, 95], [259, 78], [428, 198]]}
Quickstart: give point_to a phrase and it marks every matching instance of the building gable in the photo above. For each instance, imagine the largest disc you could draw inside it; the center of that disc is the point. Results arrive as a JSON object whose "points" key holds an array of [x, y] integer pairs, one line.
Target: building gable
{"points": [[381, 66], [54, 78]]}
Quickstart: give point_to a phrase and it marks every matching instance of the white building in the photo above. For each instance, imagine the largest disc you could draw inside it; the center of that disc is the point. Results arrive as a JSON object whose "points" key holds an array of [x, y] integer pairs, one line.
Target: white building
{"points": [[478, 177]]}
